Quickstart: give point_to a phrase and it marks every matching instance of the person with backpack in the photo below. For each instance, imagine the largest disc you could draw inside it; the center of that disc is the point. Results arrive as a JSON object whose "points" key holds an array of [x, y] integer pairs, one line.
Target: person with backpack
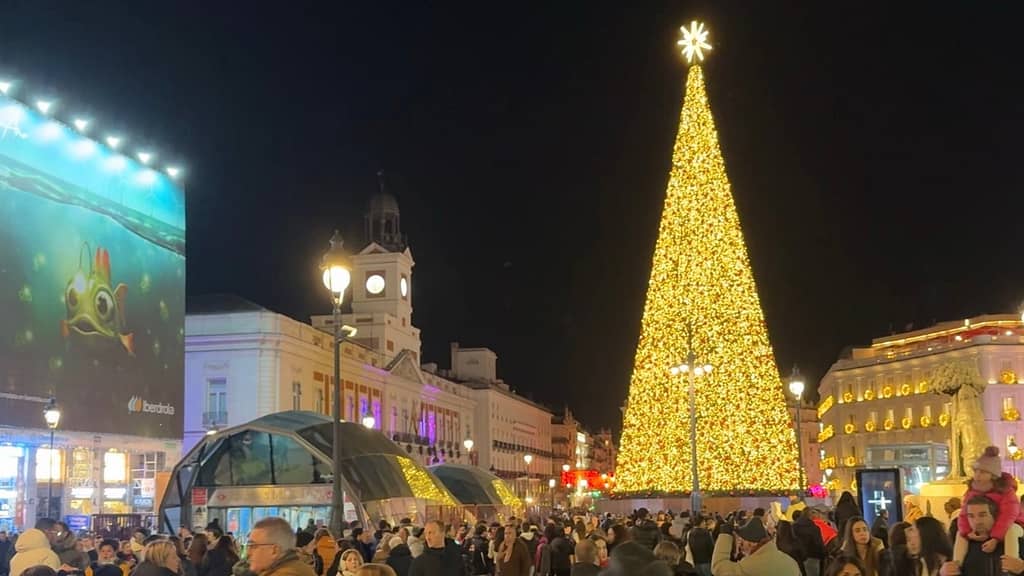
{"points": [[475, 549]]}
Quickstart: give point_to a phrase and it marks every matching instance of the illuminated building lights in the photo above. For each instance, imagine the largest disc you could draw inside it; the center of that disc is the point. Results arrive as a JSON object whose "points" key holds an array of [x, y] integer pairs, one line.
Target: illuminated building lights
{"points": [[701, 277], [173, 171], [113, 141], [869, 394], [825, 405], [44, 105], [145, 157], [5, 86], [421, 483], [81, 124]]}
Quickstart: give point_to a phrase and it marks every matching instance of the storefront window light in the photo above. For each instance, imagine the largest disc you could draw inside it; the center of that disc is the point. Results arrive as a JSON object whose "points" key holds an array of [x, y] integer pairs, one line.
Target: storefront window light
{"points": [[115, 467], [49, 464]]}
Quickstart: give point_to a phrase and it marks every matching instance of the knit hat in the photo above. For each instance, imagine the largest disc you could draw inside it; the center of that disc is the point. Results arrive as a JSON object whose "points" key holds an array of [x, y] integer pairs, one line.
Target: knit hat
{"points": [[753, 530], [990, 462]]}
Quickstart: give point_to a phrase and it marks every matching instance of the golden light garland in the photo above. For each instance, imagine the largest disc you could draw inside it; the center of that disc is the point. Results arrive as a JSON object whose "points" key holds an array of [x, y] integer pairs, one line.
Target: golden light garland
{"points": [[926, 421], [422, 485], [870, 426], [905, 389], [887, 392], [1011, 414], [847, 397], [850, 428], [888, 424], [701, 283], [944, 419], [1008, 377], [850, 461], [922, 387], [828, 432], [869, 394], [506, 495], [825, 405], [907, 422]]}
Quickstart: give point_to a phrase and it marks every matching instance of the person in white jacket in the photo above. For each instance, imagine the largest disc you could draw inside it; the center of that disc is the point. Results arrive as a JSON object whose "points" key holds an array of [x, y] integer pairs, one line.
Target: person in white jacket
{"points": [[33, 549]]}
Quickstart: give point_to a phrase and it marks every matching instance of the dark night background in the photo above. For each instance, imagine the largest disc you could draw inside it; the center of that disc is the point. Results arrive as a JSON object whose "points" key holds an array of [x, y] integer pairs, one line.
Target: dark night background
{"points": [[874, 156]]}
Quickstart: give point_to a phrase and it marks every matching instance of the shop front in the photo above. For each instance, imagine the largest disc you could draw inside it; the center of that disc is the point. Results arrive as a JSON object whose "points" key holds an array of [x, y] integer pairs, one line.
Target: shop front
{"points": [[280, 465]]}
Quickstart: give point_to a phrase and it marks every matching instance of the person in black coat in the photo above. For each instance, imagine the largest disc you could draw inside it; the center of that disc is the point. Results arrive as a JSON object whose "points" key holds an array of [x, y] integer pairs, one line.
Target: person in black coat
{"points": [[808, 537], [646, 532], [846, 508], [441, 557], [400, 557]]}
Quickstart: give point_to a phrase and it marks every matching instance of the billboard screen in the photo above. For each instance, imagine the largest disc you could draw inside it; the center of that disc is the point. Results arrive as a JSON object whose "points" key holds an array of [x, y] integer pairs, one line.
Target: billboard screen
{"points": [[92, 283]]}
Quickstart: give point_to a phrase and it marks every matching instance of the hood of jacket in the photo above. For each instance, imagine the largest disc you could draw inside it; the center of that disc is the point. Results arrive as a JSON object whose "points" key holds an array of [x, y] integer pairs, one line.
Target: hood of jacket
{"points": [[527, 535], [32, 539]]}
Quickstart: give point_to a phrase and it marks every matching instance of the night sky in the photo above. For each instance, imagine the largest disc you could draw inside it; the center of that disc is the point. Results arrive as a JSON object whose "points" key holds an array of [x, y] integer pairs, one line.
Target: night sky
{"points": [[874, 157]]}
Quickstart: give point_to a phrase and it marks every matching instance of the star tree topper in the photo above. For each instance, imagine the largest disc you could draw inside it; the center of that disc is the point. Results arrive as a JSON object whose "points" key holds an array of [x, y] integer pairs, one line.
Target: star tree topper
{"points": [[694, 41]]}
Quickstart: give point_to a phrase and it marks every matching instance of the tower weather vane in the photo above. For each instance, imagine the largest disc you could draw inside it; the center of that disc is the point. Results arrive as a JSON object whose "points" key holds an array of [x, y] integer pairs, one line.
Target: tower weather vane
{"points": [[694, 41]]}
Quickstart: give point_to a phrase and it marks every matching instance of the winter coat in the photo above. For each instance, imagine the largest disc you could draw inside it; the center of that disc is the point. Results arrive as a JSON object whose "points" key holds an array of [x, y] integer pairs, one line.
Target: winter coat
{"points": [[66, 550], [518, 563], [1008, 513], [647, 534], [846, 508], [150, 569], [115, 569], [215, 563], [6, 551], [445, 561], [288, 565], [33, 549], [701, 545], [585, 569], [807, 534], [765, 561], [400, 559]]}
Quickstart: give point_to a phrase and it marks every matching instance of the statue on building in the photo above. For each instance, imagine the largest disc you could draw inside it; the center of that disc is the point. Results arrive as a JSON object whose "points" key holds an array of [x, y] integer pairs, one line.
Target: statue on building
{"points": [[961, 381]]}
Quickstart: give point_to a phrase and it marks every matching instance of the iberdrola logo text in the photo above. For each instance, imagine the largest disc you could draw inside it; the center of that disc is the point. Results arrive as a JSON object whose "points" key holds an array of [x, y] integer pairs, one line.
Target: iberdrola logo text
{"points": [[136, 405]]}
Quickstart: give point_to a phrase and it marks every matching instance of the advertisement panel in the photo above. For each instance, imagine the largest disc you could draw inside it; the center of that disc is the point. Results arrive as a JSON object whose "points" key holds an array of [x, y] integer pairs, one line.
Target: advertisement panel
{"points": [[92, 282]]}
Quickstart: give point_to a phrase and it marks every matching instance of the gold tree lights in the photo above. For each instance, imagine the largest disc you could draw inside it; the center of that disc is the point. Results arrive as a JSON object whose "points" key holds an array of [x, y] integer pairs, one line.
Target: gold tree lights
{"points": [[702, 293]]}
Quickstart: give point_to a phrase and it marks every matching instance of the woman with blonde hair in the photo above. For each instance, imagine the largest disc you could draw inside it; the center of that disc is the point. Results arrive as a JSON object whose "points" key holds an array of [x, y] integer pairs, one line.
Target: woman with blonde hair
{"points": [[351, 561], [163, 555]]}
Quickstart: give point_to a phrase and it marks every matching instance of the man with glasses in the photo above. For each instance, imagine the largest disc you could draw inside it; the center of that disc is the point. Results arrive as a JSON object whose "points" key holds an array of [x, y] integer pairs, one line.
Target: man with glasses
{"points": [[271, 550]]}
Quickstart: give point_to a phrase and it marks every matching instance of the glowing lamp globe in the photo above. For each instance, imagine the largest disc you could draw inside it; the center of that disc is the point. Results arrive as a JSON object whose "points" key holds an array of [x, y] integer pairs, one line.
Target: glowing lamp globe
{"points": [[528, 458], [468, 443], [551, 483], [369, 421], [51, 414], [337, 270]]}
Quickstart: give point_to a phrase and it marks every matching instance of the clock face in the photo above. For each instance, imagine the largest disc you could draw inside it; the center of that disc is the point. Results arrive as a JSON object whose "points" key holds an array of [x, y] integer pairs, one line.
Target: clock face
{"points": [[375, 284], [403, 285]]}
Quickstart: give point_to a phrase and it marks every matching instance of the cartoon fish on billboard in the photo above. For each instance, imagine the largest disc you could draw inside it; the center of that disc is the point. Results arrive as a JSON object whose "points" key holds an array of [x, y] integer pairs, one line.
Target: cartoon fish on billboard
{"points": [[96, 312]]}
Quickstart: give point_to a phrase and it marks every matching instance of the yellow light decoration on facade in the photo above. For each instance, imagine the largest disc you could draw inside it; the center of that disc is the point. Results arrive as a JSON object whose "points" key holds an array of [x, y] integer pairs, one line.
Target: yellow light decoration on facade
{"points": [[850, 461], [827, 462], [825, 405], [870, 425], [869, 394], [422, 485], [702, 293], [907, 422], [827, 433], [850, 428], [905, 389], [944, 419], [1008, 377], [506, 495], [922, 387], [1011, 414], [926, 421], [887, 392], [847, 397], [888, 424]]}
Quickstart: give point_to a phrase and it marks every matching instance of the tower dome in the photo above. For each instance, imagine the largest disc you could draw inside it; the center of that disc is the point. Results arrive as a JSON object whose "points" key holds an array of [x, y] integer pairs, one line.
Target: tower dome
{"points": [[383, 220]]}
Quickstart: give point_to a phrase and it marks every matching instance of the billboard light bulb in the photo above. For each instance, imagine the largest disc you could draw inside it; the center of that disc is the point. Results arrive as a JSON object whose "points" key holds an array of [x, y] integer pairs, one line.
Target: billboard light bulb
{"points": [[81, 124], [44, 105], [5, 86], [173, 171], [145, 157], [113, 141]]}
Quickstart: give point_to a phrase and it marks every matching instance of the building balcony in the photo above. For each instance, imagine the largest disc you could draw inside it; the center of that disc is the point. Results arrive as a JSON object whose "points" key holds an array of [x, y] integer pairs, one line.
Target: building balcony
{"points": [[215, 419]]}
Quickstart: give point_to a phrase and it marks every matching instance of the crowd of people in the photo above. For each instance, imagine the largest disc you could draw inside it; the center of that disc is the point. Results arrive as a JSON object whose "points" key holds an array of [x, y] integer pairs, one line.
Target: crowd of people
{"points": [[982, 538]]}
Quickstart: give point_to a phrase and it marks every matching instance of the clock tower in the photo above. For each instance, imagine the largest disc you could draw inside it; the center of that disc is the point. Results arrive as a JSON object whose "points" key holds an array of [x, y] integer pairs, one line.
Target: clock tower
{"points": [[381, 289]]}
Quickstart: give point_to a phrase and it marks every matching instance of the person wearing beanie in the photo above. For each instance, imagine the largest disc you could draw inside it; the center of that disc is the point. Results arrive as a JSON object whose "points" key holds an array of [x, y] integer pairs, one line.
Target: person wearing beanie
{"points": [[399, 556], [990, 481], [304, 545], [760, 554]]}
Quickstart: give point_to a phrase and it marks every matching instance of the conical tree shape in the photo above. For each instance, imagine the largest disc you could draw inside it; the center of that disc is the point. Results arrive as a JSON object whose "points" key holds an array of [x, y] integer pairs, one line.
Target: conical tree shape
{"points": [[702, 294]]}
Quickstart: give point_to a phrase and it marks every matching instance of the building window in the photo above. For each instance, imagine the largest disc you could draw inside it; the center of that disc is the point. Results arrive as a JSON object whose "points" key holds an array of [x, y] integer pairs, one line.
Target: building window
{"points": [[296, 396], [391, 346], [49, 464], [319, 403], [216, 402]]}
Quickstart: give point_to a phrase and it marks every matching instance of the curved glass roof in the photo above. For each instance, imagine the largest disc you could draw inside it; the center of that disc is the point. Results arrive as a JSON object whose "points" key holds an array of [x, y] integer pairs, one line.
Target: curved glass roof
{"points": [[473, 486], [294, 448]]}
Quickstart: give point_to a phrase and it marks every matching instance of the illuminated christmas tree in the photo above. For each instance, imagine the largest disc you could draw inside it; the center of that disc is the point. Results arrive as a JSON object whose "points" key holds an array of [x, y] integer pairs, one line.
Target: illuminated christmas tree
{"points": [[702, 299]]}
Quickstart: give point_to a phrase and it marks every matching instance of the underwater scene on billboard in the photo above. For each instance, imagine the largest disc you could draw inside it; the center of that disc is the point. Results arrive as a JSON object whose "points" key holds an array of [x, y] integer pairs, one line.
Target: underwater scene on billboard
{"points": [[92, 283]]}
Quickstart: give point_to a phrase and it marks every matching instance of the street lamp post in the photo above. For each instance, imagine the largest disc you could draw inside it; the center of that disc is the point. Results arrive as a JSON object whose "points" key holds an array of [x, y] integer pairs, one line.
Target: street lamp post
{"points": [[796, 388], [336, 276], [51, 414], [693, 371], [369, 421], [1014, 451], [527, 458], [468, 444], [551, 488]]}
